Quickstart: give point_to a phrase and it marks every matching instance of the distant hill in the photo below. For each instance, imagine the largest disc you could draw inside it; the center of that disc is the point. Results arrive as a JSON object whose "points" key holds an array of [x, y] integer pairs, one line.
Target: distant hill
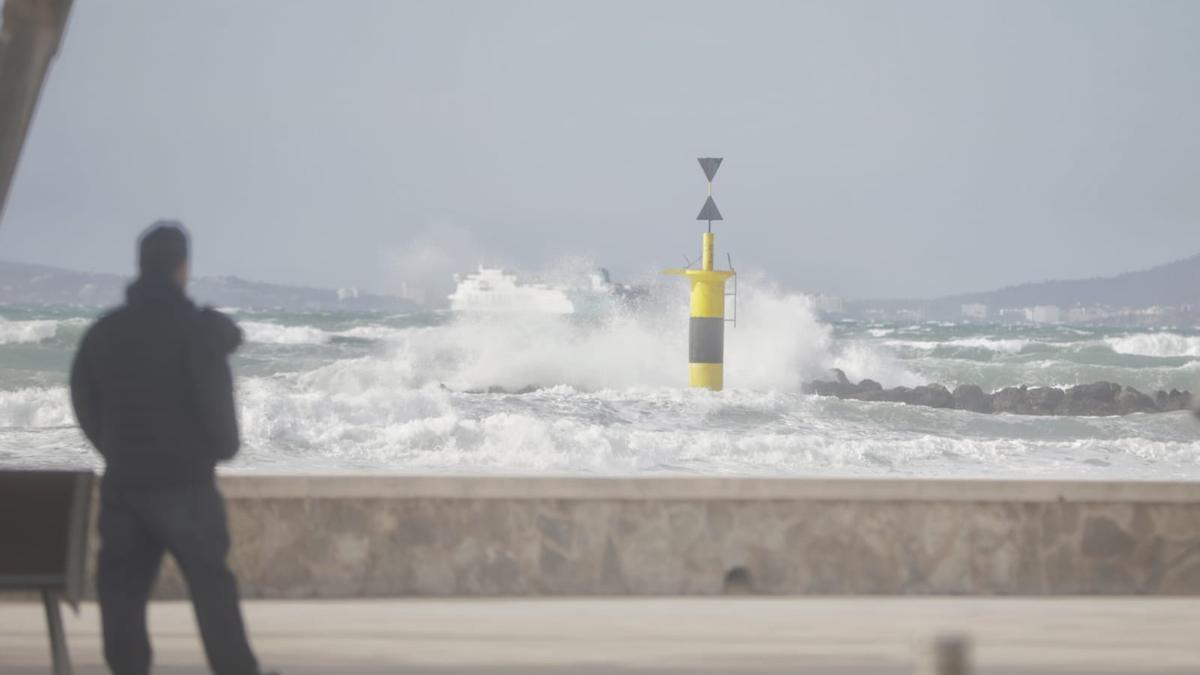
{"points": [[1174, 285], [26, 284]]}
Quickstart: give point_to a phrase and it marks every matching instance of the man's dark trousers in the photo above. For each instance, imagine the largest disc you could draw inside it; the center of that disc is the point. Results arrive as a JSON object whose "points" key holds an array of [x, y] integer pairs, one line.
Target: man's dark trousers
{"points": [[136, 527]]}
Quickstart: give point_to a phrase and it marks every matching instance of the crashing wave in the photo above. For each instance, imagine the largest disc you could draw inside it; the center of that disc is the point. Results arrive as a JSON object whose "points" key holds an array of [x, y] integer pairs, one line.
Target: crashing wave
{"points": [[36, 407], [25, 332], [1156, 344]]}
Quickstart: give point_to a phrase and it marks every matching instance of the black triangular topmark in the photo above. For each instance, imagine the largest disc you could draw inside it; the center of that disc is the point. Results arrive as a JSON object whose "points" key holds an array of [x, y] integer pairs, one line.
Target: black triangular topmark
{"points": [[710, 166]]}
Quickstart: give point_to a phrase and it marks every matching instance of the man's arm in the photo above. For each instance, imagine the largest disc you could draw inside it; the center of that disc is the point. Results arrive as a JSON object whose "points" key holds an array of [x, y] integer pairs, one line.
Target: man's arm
{"points": [[84, 397], [216, 337]]}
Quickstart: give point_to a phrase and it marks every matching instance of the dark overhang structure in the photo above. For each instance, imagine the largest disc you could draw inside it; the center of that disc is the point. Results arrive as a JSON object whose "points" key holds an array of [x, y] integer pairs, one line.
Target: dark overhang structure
{"points": [[29, 39]]}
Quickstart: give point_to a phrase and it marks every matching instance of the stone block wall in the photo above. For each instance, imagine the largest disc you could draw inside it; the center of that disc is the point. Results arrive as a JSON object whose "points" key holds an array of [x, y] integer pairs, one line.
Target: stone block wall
{"points": [[365, 536]]}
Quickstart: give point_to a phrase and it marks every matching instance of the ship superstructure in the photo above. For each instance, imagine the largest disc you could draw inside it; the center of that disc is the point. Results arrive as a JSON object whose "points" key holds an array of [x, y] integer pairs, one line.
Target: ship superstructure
{"points": [[496, 290]]}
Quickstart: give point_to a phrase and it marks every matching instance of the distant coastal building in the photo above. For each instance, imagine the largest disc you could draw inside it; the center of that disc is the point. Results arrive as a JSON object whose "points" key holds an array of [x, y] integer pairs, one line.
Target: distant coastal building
{"points": [[1081, 314], [827, 304], [975, 312], [1043, 314]]}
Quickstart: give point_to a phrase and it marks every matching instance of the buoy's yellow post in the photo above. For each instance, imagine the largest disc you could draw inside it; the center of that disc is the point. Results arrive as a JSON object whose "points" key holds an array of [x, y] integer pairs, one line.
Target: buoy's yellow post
{"points": [[706, 327]]}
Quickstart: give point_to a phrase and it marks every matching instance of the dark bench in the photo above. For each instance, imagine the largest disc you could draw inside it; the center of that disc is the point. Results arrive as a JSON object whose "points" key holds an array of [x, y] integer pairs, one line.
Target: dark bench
{"points": [[43, 543]]}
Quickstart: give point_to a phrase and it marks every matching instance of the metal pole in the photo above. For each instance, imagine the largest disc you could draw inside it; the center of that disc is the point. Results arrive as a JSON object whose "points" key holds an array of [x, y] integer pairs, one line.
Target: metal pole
{"points": [[58, 637]]}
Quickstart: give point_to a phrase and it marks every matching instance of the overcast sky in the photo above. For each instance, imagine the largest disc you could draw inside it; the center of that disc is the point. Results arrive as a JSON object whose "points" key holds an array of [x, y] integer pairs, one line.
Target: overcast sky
{"points": [[872, 149]]}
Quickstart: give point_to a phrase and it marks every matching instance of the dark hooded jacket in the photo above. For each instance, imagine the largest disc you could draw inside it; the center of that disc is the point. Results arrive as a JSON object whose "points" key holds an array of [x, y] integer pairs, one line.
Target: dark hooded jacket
{"points": [[152, 388]]}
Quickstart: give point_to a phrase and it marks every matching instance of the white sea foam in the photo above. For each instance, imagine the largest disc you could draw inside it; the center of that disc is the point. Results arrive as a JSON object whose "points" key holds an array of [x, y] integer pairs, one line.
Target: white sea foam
{"points": [[276, 334], [36, 407], [353, 417], [262, 332], [23, 332], [776, 345], [861, 361], [611, 397], [372, 332], [913, 344], [1156, 344], [778, 342], [363, 422], [998, 345], [1004, 346]]}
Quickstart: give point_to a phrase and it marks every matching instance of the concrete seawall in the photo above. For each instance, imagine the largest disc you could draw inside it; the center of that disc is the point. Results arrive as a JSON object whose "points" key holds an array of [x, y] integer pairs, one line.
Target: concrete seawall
{"points": [[384, 536]]}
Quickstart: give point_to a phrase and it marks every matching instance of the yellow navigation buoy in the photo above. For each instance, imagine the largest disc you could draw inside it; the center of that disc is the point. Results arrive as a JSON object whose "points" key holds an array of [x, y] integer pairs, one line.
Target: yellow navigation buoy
{"points": [[706, 328]]}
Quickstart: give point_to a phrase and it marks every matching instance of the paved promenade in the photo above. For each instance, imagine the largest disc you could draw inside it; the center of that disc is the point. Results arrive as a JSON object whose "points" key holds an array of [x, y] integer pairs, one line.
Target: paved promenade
{"points": [[840, 636]]}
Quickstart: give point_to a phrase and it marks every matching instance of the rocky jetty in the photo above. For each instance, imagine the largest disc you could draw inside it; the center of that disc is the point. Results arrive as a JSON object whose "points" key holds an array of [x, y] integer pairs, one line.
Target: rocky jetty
{"points": [[1096, 399]]}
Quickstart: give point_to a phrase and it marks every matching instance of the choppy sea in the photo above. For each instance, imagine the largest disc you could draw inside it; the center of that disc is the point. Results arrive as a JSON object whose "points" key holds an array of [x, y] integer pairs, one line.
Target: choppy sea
{"points": [[424, 393]]}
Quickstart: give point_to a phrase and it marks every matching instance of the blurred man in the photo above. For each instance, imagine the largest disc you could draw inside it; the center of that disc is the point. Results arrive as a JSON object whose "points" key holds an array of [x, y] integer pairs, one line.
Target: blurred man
{"points": [[153, 392]]}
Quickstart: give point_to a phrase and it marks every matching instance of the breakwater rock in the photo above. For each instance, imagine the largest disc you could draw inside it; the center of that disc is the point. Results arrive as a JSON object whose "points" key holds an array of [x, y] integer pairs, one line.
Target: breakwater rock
{"points": [[1096, 399]]}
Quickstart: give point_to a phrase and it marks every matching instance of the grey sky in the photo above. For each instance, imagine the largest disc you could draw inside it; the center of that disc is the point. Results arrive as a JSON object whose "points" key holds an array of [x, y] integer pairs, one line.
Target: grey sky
{"points": [[872, 148]]}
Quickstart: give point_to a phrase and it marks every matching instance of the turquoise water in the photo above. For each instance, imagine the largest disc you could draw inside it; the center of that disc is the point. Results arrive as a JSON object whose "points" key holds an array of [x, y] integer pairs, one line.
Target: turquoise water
{"points": [[409, 393]]}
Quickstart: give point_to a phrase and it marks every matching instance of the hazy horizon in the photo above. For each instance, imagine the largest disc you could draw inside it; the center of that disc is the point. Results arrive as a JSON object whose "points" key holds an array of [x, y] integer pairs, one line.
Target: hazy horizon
{"points": [[871, 150], [438, 300]]}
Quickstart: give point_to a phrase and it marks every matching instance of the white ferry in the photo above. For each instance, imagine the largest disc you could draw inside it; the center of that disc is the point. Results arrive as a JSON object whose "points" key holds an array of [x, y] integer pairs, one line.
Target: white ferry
{"points": [[495, 290]]}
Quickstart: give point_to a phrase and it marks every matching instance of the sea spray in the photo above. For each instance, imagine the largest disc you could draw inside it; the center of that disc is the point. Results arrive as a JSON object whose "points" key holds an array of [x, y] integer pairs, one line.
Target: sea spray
{"points": [[373, 392], [36, 407], [777, 345], [414, 396]]}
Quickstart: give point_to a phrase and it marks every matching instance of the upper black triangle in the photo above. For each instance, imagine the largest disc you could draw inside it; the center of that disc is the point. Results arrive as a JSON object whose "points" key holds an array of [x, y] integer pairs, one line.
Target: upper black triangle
{"points": [[710, 166]]}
